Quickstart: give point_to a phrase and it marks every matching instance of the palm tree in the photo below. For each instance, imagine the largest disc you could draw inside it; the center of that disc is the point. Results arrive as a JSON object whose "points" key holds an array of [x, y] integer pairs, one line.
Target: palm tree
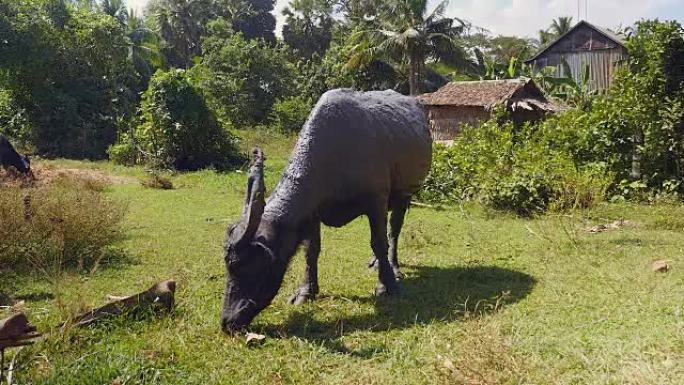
{"points": [[545, 37], [144, 48], [558, 28], [404, 33], [116, 9], [181, 24], [561, 26]]}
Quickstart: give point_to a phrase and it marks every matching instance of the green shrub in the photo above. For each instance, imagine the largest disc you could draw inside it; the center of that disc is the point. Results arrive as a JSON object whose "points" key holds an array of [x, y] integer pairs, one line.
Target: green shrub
{"points": [[290, 114], [581, 188], [68, 222], [243, 78], [178, 131], [511, 170], [459, 171], [13, 119], [636, 129], [68, 72], [523, 191], [124, 152]]}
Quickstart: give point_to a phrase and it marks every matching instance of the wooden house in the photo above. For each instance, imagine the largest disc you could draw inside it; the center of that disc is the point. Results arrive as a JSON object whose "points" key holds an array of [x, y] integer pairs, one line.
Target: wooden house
{"points": [[585, 44], [472, 102]]}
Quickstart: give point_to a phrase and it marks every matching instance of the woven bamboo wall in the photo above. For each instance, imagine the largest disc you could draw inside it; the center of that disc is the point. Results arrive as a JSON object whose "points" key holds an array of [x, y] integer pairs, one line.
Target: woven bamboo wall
{"points": [[446, 122]]}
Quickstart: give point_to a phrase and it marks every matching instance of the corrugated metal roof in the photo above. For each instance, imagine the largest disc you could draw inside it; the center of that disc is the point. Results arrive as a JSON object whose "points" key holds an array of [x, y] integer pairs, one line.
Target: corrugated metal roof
{"points": [[618, 39]]}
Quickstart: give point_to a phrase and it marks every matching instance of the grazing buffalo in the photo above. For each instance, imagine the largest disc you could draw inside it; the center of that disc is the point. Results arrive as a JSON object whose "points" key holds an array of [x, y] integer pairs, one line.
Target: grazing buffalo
{"points": [[358, 154], [9, 157]]}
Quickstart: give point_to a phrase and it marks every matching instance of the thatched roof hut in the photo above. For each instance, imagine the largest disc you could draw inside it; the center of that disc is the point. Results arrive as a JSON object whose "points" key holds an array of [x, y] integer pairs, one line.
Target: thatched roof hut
{"points": [[472, 102]]}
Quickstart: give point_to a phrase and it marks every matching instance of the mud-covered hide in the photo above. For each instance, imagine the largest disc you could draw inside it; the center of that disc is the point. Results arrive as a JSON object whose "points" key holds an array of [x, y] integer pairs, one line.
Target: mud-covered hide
{"points": [[354, 144]]}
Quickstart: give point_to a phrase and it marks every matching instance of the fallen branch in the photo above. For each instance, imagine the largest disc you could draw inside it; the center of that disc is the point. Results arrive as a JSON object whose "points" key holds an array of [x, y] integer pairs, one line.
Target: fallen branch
{"points": [[159, 297], [617, 225], [424, 205]]}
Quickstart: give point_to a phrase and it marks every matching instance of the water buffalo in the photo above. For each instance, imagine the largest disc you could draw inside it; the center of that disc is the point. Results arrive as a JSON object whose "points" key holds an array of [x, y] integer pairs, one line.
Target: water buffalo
{"points": [[358, 154], [9, 157]]}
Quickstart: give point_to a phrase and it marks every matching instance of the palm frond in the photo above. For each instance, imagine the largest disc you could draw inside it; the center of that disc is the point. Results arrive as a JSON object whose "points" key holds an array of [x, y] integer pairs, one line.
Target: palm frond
{"points": [[438, 13]]}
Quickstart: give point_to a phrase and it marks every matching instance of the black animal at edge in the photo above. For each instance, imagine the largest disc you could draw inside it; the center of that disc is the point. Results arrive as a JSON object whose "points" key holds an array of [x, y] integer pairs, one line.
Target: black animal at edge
{"points": [[9, 157], [358, 154]]}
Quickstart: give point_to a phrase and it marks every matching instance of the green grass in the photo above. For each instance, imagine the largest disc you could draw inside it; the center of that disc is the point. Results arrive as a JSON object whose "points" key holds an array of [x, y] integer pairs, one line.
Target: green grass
{"points": [[488, 299]]}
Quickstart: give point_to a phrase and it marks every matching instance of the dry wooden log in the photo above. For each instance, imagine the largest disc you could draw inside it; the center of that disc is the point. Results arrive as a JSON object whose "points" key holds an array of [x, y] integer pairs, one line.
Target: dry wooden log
{"points": [[17, 331], [159, 297], [423, 205]]}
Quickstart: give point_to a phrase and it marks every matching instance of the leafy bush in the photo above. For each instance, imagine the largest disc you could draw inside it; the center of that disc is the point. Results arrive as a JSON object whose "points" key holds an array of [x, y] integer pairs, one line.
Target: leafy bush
{"points": [[13, 120], [511, 170], [290, 114], [637, 128], [243, 78], [460, 171], [177, 130], [68, 73], [124, 151], [66, 222], [523, 192]]}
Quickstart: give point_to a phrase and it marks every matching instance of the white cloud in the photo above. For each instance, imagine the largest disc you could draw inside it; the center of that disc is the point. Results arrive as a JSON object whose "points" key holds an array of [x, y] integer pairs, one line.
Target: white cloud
{"points": [[137, 5], [526, 17]]}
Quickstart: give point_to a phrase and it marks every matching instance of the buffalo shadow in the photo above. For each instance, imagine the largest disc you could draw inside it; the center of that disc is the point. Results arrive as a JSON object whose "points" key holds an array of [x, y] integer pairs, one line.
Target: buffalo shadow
{"points": [[428, 295]]}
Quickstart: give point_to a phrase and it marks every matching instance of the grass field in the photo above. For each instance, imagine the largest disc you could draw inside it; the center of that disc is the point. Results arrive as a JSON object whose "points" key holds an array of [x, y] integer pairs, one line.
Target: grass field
{"points": [[488, 299]]}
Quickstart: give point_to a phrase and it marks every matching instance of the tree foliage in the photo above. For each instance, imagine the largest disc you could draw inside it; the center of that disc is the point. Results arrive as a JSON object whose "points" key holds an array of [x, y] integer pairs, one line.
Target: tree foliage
{"points": [[67, 70], [177, 129], [558, 28], [308, 28], [243, 78], [259, 23], [181, 24], [406, 34]]}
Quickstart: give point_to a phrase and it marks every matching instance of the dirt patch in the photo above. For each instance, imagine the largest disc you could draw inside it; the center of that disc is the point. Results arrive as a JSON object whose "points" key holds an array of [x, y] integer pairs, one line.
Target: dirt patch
{"points": [[46, 175]]}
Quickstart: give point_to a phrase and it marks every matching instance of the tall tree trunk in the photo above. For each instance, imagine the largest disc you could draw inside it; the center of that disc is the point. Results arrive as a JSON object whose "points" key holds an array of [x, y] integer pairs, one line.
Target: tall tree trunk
{"points": [[636, 155], [416, 72]]}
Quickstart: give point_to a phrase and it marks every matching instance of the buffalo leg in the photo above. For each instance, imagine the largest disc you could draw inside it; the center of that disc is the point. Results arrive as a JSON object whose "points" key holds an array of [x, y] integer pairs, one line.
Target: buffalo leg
{"points": [[395, 225], [309, 288], [377, 218]]}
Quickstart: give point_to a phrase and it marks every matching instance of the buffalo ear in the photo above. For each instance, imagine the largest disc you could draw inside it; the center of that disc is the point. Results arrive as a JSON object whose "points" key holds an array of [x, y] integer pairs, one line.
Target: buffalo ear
{"points": [[254, 201]]}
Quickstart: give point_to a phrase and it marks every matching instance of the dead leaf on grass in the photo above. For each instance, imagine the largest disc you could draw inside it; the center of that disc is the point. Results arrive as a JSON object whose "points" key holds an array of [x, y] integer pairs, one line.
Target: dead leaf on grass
{"points": [[254, 338], [660, 266]]}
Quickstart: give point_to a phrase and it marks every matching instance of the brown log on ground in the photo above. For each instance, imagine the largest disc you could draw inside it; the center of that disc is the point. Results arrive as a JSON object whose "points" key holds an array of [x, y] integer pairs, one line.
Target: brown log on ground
{"points": [[17, 331], [159, 297]]}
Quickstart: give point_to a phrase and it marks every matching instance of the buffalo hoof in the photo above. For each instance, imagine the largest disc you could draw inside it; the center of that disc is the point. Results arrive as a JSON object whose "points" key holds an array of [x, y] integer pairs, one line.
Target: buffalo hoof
{"points": [[301, 296], [398, 274], [386, 291]]}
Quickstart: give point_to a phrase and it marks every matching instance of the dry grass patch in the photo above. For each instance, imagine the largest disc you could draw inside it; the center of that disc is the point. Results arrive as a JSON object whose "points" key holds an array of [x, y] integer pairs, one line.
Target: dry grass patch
{"points": [[57, 219], [157, 181]]}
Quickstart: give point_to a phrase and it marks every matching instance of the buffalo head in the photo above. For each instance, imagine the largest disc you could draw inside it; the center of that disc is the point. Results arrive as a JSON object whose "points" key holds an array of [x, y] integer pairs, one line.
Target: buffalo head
{"points": [[25, 164], [253, 271]]}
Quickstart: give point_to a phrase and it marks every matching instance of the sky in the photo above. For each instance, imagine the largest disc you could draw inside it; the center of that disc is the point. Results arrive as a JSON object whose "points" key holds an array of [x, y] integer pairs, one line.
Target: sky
{"points": [[526, 17]]}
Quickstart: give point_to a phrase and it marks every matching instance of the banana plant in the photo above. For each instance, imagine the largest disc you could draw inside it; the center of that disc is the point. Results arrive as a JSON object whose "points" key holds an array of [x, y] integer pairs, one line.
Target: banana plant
{"points": [[569, 89]]}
